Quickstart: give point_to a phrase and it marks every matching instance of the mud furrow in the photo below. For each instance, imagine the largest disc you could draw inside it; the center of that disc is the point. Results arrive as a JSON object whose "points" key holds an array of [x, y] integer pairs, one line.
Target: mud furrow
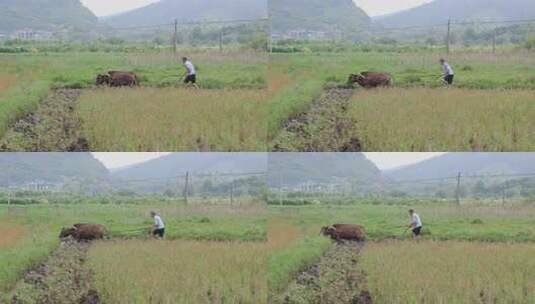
{"points": [[335, 279], [54, 126], [62, 279], [325, 127]]}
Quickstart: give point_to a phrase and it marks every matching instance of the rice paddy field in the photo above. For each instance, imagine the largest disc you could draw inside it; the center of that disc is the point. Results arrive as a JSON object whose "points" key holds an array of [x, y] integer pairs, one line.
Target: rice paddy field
{"points": [[491, 94], [450, 272], [226, 241], [467, 254], [173, 119], [179, 272], [444, 119]]}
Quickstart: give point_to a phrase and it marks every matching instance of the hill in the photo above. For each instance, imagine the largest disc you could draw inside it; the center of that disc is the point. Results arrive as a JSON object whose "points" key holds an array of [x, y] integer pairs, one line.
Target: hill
{"points": [[316, 15], [48, 15], [439, 11], [297, 168], [49, 167], [166, 11], [179, 163], [467, 163]]}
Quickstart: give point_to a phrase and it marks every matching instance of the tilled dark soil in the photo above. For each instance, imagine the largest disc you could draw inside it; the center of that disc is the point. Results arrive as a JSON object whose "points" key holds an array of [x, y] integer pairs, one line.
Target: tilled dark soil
{"points": [[325, 127], [335, 279], [53, 127], [62, 279]]}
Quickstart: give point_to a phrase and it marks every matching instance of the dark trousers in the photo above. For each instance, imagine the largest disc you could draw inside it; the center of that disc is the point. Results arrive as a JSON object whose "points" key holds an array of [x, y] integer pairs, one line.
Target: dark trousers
{"points": [[159, 232]]}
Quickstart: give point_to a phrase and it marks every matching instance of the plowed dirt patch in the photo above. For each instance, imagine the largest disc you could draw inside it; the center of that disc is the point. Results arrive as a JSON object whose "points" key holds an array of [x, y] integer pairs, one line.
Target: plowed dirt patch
{"points": [[9, 234], [6, 82]]}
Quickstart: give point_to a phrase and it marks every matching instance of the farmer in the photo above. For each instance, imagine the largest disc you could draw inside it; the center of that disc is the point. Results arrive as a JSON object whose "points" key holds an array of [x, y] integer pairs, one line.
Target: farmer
{"points": [[190, 77], [158, 227], [416, 224], [448, 72]]}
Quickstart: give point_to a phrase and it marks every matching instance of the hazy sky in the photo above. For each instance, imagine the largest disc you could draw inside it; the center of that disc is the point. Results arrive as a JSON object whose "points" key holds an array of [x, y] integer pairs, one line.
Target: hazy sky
{"points": [[372, 7], [110, 7], [117, 160], [393, 160], [381, 160], [383, 7]]}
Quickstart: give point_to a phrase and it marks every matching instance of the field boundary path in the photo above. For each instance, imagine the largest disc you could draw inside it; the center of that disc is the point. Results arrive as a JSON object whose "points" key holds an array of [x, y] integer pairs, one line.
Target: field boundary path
{"points": [[326, 126], [335, 279], [62, 279], [53, 126]]}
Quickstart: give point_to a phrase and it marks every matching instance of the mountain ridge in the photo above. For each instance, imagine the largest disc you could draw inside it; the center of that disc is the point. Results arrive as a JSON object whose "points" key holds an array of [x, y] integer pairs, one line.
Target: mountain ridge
{"points": [[184, 10], [459, 10], [467, 163], [45, 15], [316, 15]]}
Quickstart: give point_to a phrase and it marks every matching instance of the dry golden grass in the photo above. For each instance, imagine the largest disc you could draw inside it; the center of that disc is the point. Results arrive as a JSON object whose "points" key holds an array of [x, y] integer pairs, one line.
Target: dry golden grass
{"points": [[281, 234], [447, 119], [171, 119], [7, 81], [10, 233], [450, 272], [179, 272]]}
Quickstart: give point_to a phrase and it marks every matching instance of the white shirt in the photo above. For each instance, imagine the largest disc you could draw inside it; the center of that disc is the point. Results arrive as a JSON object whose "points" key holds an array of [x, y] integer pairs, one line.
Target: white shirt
{"points": [[158, 222], [447, 69], [190, 67], [415, 221]]}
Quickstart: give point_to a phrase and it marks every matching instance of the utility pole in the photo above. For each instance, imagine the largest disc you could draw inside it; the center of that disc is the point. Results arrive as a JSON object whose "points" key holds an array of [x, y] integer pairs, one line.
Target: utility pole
{"points": [[270, 36], [280, 189], [458, 191], [186, 188], [175, 36], [448, 37], [503, 193], [221, 39], [232, 193], [494, 33]]}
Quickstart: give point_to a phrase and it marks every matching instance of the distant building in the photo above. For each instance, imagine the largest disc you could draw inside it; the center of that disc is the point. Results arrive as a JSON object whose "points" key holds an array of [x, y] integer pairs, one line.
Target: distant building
{"points": [[40, 186], [313, 187], [34, 35], [307, 35]]}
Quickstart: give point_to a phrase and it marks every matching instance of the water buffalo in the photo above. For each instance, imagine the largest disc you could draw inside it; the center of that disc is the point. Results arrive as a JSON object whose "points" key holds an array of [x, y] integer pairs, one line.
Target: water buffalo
{"points": [[371, 79], [84, 232], [118, 79], [121, 78], [340, 232], [103, 80]]}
